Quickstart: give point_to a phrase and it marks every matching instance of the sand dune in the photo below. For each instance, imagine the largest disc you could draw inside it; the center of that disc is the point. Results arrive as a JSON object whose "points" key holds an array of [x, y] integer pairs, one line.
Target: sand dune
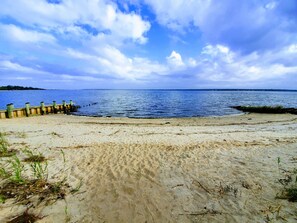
{"points": [[219, 169]]}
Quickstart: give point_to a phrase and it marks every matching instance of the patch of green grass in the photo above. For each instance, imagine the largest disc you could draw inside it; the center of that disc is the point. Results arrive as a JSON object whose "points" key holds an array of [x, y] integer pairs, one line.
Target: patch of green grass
{"points": [[17, 170], [32, 189], [4, 173], [39, 170], [3, 143], [4, 147], [2, 199]]}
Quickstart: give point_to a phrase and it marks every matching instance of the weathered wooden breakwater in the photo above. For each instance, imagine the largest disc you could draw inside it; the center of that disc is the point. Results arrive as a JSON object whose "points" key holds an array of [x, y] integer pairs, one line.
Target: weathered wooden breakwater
{"points": [[43, 109]]}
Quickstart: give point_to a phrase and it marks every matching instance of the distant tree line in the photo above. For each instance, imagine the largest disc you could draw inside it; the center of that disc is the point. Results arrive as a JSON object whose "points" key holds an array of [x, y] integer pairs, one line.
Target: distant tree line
{"points": [[11, 87]]}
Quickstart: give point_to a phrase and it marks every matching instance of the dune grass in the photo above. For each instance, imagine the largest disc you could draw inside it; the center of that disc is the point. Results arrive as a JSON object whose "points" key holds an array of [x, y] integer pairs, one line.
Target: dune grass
{"points": [[4, 147], [32, 157], [288, 178], [23, 187]]}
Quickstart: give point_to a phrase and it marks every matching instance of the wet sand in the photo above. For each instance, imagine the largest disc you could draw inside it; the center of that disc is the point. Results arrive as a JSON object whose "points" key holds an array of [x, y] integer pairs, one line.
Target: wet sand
{"points": [[218, 169]]}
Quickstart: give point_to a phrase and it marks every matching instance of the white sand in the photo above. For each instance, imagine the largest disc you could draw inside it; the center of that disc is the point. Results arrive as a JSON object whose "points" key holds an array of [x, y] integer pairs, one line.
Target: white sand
{"points": [[162, 170]]}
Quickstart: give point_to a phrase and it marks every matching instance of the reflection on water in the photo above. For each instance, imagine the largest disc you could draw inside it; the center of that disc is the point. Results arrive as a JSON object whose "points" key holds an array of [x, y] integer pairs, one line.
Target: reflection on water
{"points": [[152, 103]]}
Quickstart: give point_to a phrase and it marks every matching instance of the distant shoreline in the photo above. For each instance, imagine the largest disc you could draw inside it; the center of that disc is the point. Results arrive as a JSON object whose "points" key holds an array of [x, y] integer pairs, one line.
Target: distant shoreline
{"points": [[5, 88], [285, 90], [17, 88]]}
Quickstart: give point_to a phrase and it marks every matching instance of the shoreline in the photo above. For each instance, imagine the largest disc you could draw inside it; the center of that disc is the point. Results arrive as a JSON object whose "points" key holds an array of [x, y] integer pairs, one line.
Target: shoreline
{"points": [[180, 117], [218, 169]]}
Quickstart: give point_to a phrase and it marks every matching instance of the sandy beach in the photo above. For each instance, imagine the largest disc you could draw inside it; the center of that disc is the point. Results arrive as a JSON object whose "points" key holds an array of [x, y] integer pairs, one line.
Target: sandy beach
{"points": [[217, 169]]}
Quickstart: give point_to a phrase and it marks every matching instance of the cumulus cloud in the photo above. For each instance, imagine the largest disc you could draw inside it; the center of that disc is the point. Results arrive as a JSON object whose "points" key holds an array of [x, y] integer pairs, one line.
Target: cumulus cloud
{"points": [[109, 60], [14, 33], [175, 59], [7, 65], [87, 35], [99, 41], [220, 64], [98, 14], [242, 25]]}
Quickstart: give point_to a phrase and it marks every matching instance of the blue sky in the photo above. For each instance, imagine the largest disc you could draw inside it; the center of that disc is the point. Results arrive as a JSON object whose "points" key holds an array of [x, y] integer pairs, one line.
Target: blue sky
{"points": [[75, 44]]}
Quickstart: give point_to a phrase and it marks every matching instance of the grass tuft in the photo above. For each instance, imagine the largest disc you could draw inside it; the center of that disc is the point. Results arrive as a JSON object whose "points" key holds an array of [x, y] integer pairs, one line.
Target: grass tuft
{"points": [[77, 188], [39, 170], [4, 151], [31, 157], [35, 158], [289, 191], [17, 170], [35, 187], [23, 193]]}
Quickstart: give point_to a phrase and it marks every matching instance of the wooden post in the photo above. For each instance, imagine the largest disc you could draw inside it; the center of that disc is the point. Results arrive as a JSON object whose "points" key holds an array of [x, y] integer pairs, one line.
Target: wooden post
{"points": [[55, 107], [27, 109], [10, 110], [71, 105], [42, 108], [64, 106]]}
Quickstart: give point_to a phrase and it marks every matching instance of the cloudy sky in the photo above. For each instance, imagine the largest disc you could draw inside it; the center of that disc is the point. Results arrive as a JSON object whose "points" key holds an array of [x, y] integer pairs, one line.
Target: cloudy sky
{"points": [[76, 44]]}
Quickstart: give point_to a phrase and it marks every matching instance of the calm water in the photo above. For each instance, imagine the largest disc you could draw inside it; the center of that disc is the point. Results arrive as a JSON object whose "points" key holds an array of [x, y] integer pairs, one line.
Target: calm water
{"points": [[152, 103]]}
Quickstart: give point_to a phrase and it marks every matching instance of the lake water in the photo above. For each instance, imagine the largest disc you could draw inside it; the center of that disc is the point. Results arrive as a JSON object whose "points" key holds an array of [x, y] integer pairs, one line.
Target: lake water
{"points": [[152, 103]]}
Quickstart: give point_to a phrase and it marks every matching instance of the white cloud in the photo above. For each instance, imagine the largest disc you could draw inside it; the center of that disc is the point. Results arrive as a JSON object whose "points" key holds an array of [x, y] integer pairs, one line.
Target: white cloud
{"points": [[218, 63], [292, 48], [69, 25], [63, 16], [243, 25], [110, 61], [218, 52], [192, 62], [11, 66], [15, 33], [175, 59], [63, 36]]}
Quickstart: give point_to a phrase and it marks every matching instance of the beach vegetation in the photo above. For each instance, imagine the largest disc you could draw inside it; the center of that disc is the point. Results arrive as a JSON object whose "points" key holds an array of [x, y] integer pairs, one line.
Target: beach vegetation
{"points": [[289, 182], [21, 134], [228, 189], [30, 186], [25, 218], [39, 170], [16, 170], [266, 109], [2, 199], [63, 154], [4, 147], [56, 134], [77, 188], [31, 157], [22, 188]]}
